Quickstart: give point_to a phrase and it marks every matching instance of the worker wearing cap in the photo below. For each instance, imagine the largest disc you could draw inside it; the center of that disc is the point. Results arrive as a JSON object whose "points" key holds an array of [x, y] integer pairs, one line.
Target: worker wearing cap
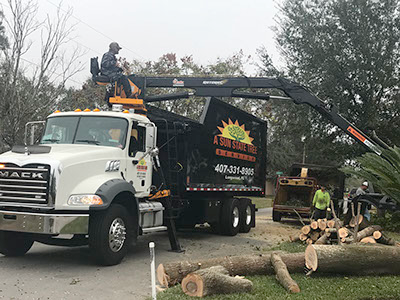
{"points": [[110, 68], [362, 190], [321, 202]]}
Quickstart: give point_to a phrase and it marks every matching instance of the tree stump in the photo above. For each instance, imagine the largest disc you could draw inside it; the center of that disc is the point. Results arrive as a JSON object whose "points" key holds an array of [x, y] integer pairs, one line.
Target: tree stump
{"points": [[212, 281], [353, 259], [282, 274]]}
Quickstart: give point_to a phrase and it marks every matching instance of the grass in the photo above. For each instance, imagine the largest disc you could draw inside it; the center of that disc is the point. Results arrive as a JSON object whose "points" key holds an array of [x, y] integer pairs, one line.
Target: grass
{"points": [[288, 247], [262, 202], [312, 288]]}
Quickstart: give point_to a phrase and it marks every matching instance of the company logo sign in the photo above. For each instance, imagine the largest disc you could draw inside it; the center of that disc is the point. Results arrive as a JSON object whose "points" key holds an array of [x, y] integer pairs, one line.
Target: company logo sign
{"points": [[235, 137], [178, 83], [142, 166], [25, 175], [235, 132]]}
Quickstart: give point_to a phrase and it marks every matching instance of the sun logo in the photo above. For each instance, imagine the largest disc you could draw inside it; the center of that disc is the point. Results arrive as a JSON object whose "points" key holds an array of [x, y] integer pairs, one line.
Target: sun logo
{"points": [[235, 132]]}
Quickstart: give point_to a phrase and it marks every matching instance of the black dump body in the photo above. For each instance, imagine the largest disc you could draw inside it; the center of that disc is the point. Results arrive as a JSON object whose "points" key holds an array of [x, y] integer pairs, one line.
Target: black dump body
{"points": [[224, 153]]}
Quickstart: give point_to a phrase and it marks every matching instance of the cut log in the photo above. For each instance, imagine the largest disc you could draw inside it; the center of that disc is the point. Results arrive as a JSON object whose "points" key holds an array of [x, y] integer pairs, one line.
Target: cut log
{"points": [[347, 240], [331, 224], [367, 232], [303, 237], [314, 236], [305, 229], [282, 274], [362, 222], [172, 273], [354, 259], [343, 232], [294, 239], [309, 241], [380, 238], [368, 240], [214, 281], [331, 230], [314, 225], [321, 224], [323, 239]]}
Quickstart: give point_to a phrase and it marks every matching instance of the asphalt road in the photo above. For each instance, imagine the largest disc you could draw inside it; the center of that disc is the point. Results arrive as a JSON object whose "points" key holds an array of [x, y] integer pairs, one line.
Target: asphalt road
{"points": [[49, 272]]}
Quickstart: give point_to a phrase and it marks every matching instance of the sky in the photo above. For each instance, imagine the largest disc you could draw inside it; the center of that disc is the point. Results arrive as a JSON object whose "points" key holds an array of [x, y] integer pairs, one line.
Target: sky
{"points": [[147, 29]]}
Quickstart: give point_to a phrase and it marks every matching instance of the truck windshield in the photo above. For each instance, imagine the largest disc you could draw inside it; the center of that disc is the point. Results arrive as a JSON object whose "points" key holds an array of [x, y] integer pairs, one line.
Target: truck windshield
{"points": [[103, 131]]}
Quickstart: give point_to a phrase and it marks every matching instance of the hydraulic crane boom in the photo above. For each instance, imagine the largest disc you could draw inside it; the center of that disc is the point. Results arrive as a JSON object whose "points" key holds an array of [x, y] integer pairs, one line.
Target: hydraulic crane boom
{"points": [[226, 87]]}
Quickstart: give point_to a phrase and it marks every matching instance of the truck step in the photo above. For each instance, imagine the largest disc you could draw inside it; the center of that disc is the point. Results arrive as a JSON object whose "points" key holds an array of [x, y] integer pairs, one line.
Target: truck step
{"points": [[155, 229]]}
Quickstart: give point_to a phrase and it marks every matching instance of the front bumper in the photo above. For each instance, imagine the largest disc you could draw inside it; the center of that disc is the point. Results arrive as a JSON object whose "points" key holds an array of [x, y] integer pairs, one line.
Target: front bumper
{"points": [[44, 223]]}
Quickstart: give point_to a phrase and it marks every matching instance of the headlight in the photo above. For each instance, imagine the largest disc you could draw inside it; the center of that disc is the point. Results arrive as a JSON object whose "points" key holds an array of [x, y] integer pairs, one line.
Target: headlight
{"points": [[82, 200]]}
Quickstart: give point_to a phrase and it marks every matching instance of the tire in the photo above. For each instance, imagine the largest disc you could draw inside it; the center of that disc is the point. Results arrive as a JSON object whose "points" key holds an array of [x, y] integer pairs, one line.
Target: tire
{"points": [[276, 216], [15, 243], [230, 219], [246, 215], [110, 234]]}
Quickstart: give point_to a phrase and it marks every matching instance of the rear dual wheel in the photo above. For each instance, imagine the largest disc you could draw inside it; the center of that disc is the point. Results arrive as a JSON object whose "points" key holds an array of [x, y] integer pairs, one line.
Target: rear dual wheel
{"points": [[237, 216]]}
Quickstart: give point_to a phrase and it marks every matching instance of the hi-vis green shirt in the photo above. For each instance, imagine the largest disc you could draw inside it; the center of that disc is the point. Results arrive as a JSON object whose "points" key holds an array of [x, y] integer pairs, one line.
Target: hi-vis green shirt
{"points": [[321, 200]]}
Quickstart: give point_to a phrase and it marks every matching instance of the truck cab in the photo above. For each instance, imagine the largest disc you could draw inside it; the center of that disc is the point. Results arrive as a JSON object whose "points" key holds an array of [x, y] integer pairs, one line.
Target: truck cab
{"points": [[90, 176]]}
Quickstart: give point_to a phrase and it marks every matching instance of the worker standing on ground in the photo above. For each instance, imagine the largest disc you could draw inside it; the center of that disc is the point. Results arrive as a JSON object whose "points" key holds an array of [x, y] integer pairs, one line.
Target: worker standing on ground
{"points": [[110, 68], [362, 190], [321, 202]]}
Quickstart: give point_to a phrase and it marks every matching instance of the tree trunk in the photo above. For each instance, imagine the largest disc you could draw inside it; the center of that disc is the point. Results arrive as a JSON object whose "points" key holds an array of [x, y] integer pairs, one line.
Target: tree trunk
{"points": [[173, 273], [380, 238], [282, 274], [214, 280], [367, 232], [353, 259]]}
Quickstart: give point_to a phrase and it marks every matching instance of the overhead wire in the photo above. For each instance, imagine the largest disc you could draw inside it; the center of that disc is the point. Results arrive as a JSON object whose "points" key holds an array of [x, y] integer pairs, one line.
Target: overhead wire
{"points": [[94, 29]]}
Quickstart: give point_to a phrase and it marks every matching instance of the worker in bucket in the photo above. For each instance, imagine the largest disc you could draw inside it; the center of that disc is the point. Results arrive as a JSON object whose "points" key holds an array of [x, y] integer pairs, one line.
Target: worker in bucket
{"points": [[321, 202], [111, 69]]}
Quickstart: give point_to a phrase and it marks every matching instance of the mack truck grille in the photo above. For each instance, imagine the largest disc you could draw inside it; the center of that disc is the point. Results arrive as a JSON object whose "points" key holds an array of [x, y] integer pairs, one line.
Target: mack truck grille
{"points": [[26, 184]]}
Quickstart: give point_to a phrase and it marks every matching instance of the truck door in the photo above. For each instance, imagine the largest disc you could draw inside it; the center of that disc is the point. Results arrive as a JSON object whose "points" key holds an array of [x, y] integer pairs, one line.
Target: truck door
{"points": [[139, 167]]}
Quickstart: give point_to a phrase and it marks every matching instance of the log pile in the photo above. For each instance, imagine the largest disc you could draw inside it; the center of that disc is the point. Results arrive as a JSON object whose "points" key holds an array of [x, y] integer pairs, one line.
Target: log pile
{"points": [[323, 231]]}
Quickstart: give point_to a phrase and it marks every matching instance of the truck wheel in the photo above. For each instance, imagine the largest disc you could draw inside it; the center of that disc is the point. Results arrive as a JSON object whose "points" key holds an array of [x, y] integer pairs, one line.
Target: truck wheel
{"points": [[246, 215], [110, 234], [276, 216], [230, 220], [14, 243]]}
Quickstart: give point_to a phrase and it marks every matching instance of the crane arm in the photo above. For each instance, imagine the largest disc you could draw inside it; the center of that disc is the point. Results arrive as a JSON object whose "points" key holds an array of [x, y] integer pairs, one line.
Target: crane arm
{"points": [[227, 87]]}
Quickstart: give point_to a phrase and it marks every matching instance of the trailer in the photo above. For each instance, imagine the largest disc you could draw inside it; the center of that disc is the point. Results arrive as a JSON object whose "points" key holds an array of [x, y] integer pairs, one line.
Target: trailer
{"points": [[294, 193]]}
